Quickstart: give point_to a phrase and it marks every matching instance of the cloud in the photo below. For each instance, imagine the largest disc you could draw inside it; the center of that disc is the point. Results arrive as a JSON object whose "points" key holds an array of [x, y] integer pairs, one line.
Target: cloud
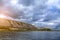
{"points": [[36, 12], [55, 3], [41, 14]]}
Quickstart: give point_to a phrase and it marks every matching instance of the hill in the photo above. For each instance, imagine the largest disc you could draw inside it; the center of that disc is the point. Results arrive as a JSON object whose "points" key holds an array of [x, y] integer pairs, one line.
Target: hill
{"points": [[7, 24]]}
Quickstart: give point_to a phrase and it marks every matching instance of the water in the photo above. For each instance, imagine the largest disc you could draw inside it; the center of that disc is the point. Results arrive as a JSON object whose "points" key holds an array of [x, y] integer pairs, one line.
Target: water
{"points": [[33, 35]]}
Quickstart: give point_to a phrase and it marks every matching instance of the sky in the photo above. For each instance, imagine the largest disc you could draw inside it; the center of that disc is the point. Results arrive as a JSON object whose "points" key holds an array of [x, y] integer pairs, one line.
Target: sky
{"points": [[41, 13]]}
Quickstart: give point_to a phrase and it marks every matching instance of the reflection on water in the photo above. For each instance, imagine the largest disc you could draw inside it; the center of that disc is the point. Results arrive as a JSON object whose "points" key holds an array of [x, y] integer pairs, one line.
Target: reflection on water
{"points": [[37, 35]]}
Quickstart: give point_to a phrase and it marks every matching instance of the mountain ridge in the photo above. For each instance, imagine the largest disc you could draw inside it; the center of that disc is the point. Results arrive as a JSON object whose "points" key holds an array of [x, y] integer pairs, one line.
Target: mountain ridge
{"points": [[15, 25]]}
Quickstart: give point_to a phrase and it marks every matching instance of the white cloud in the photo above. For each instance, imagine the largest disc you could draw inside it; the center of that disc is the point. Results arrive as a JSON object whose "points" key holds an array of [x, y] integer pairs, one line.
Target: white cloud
{"points": [[52, 2], [55, 3], [13, 2]]}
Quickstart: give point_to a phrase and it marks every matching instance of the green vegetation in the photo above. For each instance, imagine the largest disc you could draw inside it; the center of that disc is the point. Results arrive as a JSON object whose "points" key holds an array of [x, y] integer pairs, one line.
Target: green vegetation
{"points": [[44, 29]]}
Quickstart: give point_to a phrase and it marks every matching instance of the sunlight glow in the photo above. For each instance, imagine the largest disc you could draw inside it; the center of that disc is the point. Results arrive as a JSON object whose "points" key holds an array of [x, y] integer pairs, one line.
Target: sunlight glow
{"points": [[2, 16]]}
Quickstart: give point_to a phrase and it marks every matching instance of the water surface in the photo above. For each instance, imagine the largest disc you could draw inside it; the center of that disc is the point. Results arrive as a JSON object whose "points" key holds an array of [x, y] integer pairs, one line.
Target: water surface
{"points": [[32, 35]]}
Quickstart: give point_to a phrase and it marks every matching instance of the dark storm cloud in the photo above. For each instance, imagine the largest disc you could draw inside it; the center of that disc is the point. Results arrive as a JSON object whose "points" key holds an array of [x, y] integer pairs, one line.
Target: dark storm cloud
{"points": [[26, 2]]}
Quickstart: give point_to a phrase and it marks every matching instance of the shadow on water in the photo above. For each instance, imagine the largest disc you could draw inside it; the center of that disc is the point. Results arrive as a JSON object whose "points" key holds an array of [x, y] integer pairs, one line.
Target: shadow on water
{"points": [[33, 35]]}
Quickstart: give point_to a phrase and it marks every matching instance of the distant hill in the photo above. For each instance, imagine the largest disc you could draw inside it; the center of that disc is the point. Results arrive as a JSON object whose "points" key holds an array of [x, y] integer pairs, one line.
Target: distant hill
{"points": [[7, 24]]}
